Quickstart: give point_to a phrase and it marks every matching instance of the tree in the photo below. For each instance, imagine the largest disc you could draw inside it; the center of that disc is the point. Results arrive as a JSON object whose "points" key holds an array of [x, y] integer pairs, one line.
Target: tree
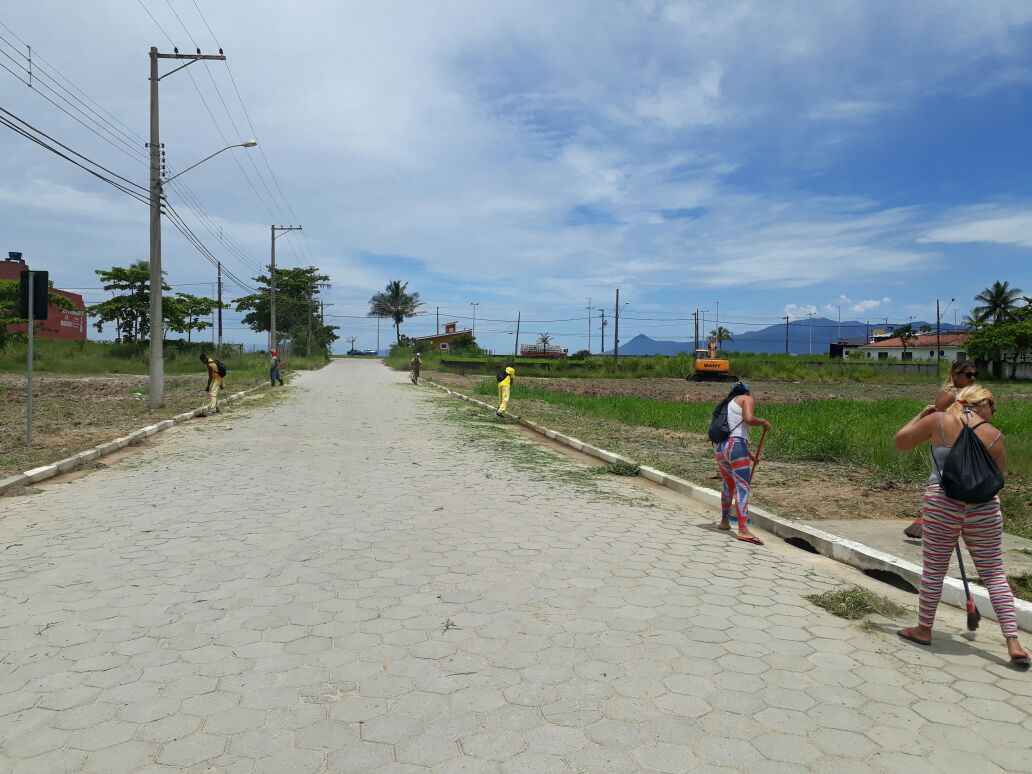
{"points": [[188, 313], [925, 329], [544, 341], [297, 307], [906, 335], [997, 303], [1003, 341], [395, 302], [129, 309], [9, 294], [720, 334]]}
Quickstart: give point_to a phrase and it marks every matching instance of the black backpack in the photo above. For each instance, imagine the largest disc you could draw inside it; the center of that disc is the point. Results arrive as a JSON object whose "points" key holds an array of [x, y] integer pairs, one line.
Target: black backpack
{"points": [[970, 473], [719, 427], [221, 368], [501, 376]]}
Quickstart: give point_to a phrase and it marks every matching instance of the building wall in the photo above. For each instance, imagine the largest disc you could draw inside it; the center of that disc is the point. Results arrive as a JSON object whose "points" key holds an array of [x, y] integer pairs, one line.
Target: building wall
{"points": [[950, 353], [69, 324]]}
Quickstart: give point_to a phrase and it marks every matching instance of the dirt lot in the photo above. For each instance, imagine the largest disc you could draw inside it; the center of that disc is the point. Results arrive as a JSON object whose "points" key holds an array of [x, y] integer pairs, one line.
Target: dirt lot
{"points": [[795, 489], [72, 413]]}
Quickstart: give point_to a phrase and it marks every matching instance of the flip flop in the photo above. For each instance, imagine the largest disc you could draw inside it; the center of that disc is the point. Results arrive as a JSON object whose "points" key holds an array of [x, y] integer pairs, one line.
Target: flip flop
{"points": [[722, 528], [1023, 663], [905, 634], [749, 539]]}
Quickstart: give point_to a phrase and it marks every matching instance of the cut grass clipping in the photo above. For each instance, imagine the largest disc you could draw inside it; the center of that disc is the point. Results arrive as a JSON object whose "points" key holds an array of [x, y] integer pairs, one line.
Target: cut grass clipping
{"points": [[622, 469], [856, 603], [1022, 585]]}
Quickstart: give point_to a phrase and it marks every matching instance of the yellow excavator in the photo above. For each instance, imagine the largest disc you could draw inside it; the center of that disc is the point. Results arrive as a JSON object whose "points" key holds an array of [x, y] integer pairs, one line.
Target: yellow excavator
{"points": [[709, 366]]}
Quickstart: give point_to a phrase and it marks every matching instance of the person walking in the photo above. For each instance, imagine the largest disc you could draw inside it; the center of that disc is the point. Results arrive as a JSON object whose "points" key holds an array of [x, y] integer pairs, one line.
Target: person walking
{"points": [[505, 379], [962, 374], [735, 463], [946, 520], [215, 376], [274, 369], [416, 365]]}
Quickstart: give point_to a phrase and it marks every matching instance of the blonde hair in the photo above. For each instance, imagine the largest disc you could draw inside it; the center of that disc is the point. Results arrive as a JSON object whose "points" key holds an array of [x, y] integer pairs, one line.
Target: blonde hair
{"points": [[968, 398], [956, 368]]}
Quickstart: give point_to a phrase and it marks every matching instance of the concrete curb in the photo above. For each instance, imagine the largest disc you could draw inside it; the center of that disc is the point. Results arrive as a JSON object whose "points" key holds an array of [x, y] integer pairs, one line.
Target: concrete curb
{"points": [[850, 552], [44, 472]]}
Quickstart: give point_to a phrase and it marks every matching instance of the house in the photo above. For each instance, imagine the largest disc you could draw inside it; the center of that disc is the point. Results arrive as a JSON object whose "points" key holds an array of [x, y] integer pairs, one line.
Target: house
{"points": [[68, 324], [441, 341], [952, 346]]}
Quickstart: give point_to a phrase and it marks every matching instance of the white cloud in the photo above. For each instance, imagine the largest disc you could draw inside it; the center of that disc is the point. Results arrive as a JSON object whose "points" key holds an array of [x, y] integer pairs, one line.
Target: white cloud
{"points": [[796, 311], [848, 110], [984, 223], [870, 303]]}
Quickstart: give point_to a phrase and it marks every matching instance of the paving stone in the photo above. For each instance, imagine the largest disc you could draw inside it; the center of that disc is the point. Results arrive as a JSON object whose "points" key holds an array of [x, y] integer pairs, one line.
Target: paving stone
{"points": [[389, 623]]}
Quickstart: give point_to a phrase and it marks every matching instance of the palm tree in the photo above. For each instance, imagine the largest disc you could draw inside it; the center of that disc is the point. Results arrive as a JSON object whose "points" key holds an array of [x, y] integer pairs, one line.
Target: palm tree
{"points": [[395, 302], [720, 334], [997, 303], [544, 341]]}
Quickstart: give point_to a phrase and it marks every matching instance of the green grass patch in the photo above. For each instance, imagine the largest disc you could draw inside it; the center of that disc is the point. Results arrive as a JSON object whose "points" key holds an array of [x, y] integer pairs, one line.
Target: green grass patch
{"points": [[855, 603], [842, 431], [622, 469], [1022, 585]]}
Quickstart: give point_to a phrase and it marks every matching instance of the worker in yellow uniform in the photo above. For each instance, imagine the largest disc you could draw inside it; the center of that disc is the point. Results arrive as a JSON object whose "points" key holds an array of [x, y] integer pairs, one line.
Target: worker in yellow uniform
{"points": [[504, 387], [216, 372]]}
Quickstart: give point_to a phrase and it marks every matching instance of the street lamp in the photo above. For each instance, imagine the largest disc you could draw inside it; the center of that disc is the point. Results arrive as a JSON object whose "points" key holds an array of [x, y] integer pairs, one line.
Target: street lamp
{"points": [[157, 194], [245, 144]]}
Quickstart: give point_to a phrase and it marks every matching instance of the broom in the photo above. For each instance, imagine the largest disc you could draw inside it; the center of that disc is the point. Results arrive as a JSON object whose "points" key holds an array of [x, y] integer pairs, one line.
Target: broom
{"points": [[756, 458], [973, 616]]}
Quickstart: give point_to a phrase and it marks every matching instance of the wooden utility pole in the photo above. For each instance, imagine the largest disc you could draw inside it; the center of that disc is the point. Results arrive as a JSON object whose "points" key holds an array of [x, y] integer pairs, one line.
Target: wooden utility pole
{"points": [[786, 334], [218, 347], [516, 346], [695, 314]]}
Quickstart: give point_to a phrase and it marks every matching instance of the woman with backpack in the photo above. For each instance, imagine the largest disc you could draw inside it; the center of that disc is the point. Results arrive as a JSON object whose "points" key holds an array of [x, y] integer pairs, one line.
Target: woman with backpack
{"points": [[729, 432], [968, 459], [962, 374], [505, 379]]}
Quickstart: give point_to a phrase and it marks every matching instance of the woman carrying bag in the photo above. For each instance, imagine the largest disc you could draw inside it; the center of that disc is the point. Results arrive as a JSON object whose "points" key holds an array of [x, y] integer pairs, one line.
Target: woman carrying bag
{"points": [[962, 374], [968, 462]]}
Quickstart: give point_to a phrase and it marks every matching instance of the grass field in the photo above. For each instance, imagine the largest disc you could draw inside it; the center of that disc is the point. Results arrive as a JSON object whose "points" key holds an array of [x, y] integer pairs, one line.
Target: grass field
{"points": [[805, 368], [827, 457], [105, 357]]}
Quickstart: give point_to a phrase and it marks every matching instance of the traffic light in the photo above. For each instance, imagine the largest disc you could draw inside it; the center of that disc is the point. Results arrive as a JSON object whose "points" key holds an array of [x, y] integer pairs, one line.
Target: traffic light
{"points": [[40, 295]]}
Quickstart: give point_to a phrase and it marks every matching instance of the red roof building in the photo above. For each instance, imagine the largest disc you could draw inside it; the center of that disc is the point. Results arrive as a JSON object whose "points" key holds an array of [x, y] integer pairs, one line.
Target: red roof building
{"points": [[69, 324], [952, 346]]}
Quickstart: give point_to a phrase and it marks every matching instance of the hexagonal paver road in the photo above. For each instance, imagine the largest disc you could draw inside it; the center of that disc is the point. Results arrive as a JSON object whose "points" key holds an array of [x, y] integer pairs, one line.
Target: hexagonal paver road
{"points": [[371, 577]]}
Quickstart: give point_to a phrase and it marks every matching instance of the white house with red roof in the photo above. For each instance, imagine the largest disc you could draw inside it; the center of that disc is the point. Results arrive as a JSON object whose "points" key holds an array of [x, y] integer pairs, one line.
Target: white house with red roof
{"points": [[951, 346]]}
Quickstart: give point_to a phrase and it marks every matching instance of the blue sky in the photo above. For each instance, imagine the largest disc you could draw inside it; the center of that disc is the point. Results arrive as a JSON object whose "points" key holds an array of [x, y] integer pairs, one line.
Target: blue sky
{"points": [[769, 158]]}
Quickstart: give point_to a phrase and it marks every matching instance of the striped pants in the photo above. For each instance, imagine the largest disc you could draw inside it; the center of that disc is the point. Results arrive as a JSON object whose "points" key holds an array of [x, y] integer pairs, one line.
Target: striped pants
{"points": [[981, 525], [736, 473]]}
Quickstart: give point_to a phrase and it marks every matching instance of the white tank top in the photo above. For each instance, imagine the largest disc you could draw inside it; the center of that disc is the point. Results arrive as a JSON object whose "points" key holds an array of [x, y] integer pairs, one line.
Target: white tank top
{"points": [[734, 420]]}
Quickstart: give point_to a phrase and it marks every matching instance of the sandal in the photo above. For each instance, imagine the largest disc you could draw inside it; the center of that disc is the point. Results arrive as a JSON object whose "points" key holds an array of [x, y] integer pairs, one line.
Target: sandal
{"points": [[749, 539], [724, 527], [907, 634]]}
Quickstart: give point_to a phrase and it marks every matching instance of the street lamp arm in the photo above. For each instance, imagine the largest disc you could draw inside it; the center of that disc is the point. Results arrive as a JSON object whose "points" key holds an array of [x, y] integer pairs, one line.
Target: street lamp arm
{"points": [[248, 144]]}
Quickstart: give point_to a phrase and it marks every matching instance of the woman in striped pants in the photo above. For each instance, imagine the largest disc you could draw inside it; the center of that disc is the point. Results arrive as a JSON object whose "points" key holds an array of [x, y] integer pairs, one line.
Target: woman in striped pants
{"points": [[947, 520]]}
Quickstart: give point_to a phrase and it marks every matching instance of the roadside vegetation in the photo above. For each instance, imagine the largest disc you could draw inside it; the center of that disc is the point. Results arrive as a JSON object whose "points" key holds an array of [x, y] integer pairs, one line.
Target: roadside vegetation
{"points": [[855, 603]]}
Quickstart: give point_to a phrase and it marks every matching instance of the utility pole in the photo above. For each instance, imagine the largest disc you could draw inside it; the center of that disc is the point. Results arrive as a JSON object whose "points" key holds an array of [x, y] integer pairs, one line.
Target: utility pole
{"points": [[616, 330], [474, 304], [839, 322], [353, 339], [311, 314], [29, 329], [786, 334], [810, 315], [602, 311], [218, 348], [589, 324], [157, 330], [516, 346], [378, 334], [695, 314], [438, 321], [273, 338]]}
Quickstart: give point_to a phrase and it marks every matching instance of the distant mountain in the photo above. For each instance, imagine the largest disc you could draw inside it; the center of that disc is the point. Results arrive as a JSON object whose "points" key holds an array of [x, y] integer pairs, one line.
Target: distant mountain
{"points": [[772, 338]]}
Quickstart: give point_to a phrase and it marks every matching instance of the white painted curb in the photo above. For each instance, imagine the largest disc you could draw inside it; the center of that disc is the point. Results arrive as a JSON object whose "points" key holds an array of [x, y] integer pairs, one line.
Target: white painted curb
{"points": [[44, 472], [850, 552]]}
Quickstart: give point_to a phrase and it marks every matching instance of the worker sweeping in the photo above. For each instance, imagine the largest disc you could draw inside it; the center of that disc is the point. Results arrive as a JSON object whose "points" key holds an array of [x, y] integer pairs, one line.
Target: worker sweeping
{"points": [[729, 432], [505, 379]]}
